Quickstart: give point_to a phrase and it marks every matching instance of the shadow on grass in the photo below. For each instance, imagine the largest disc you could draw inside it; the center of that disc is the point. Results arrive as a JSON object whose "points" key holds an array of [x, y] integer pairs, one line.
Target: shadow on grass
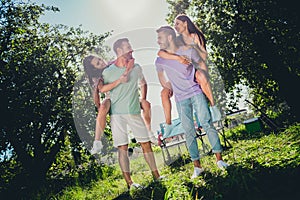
{"points": [[242, 183], [155, 190]]}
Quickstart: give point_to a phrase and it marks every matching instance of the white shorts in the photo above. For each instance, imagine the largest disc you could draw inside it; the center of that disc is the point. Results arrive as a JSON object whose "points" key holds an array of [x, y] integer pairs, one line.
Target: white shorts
{"points": [[119, 129]]}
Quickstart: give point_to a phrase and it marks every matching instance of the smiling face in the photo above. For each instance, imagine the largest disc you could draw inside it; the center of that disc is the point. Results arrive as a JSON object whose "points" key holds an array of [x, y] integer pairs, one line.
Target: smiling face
{"points": [[162, 40], [98, 63], [180, 26], [126, 50]]}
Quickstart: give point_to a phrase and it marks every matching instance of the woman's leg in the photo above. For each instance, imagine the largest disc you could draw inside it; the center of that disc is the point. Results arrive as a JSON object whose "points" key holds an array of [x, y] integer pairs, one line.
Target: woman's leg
{"points": [[100, 126], [101, 118], [203, 80], [149, 158], [146, 107], [166, 103]]}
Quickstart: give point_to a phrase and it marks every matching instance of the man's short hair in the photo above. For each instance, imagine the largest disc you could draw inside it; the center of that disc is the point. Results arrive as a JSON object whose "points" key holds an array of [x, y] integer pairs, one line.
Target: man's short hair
{"points": [[117, 44], [167, 30]]}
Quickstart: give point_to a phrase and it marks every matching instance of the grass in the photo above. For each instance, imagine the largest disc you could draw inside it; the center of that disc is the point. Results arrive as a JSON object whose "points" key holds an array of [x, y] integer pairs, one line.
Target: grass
{"points": [[262, 166]]}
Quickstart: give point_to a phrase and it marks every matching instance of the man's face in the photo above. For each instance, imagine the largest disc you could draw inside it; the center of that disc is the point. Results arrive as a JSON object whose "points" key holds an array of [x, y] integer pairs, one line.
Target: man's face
{"points": [[126, 50], [162, 40], [98, 63]]}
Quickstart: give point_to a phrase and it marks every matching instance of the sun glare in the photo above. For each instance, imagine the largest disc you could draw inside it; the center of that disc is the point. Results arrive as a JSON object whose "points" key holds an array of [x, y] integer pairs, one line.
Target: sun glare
{"points": [[126, 10]]}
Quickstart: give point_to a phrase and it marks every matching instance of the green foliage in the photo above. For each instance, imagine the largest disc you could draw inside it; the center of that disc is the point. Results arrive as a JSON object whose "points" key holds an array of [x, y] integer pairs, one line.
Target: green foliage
{"points": [[39, 65], [252, 42]]}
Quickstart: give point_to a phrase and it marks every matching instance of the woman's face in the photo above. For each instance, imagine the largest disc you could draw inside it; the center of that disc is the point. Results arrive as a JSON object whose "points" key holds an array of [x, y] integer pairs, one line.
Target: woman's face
{"points": [[98, 63], [180, 26]]}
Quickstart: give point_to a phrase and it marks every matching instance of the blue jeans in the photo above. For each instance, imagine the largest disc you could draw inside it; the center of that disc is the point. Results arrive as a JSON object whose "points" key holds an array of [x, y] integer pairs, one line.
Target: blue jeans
{"points": [[185, 110]]}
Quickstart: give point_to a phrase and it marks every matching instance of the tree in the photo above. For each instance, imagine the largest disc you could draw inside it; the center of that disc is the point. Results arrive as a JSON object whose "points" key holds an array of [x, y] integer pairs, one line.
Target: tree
{"points": [[252, 41], [39, 65]]}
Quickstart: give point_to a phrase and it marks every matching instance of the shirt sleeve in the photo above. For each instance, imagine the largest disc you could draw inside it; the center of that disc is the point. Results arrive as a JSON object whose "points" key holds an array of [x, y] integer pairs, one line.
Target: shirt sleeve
{"points": [[159, 66], [104, 76], [139, 71]]}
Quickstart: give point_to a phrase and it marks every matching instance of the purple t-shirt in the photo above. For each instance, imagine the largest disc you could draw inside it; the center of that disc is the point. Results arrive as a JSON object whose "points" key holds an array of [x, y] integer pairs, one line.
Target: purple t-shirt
{"points": [[181, 76]]}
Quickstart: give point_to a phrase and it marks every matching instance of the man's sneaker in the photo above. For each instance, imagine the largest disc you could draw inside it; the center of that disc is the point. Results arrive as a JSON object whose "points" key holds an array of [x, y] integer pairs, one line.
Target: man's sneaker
{"points": [[215, 113], [97, 147], [160, 178], [168, 130], [197, 172], [222, 165], [135, 186]]}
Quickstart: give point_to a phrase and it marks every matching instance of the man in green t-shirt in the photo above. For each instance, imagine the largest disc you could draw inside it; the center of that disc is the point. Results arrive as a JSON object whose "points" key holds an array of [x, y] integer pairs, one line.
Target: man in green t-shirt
{"points": [[125, 107]]}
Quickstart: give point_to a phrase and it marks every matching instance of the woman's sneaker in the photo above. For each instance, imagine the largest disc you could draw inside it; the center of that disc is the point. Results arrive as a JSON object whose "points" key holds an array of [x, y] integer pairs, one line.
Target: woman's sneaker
{"points": [[97, 147]]}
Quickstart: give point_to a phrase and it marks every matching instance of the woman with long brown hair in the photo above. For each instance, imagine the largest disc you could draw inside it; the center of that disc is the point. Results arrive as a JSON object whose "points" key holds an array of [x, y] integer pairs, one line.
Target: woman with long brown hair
{"points": [[192, 37]]}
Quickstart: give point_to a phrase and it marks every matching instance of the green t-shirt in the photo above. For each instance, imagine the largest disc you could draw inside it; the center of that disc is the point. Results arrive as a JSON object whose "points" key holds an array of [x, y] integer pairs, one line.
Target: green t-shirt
{"points": [[124, 97]]}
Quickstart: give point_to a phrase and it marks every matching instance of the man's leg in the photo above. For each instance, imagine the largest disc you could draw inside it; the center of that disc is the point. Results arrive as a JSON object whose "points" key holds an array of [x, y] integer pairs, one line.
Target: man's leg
{"points": [[185, 111], [139, 130], [200, 105], [124, 163], [150, 159], [120, 140]]}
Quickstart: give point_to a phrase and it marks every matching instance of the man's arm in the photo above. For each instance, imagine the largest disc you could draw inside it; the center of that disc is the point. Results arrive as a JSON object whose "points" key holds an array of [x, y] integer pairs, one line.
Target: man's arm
{"points": [[162, 79], [144, 88], [107, 87]]}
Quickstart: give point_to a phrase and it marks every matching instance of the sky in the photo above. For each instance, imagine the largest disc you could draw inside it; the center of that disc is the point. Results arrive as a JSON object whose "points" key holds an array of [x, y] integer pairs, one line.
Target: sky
{"points": [[134, 19]]}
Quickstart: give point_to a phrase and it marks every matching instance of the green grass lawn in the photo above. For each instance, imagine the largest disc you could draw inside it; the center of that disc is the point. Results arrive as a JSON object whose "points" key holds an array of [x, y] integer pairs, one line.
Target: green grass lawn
{"points": [[262, 166]]}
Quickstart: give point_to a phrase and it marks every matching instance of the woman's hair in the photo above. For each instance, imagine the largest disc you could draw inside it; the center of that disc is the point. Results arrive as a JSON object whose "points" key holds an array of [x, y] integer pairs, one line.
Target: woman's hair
{"points": [[192, 28], [90, 71]]}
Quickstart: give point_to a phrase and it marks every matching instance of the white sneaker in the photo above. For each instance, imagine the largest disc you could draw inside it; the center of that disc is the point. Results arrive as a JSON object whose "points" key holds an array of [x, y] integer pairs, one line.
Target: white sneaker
{"points": [[134, 186], [215, 113], [197, 172], [160, 178], [97, 147], [222, 165], [153, 139], [168, 130]]}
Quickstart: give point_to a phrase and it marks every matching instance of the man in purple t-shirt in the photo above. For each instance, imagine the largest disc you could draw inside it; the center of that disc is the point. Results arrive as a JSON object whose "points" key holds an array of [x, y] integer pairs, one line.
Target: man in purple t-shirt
{"points": [[188, 95]]}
